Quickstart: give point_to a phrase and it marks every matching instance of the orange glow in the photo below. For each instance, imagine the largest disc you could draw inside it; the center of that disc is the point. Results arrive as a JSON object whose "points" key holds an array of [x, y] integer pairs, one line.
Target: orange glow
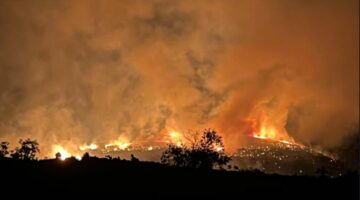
{"points": [[266, 132], [88, 147], [64, 153], [218, 148], [272, 134], [123, 146], [78, 157], [121, 143], [285, 141], [175, 137]]}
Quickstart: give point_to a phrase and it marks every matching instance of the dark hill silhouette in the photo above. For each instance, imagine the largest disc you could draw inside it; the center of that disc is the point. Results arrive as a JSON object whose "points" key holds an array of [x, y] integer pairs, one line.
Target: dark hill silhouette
{"points": [[24, 175], [105, 177]]}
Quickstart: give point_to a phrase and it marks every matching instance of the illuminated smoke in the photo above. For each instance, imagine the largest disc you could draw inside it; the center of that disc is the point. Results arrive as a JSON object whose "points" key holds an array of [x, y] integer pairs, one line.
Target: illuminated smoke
{"points": [[120, 72]]}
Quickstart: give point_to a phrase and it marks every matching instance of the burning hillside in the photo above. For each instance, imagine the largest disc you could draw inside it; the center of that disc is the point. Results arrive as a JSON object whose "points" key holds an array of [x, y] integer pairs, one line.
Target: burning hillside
{"points": [[273, 156], [265, 151]]}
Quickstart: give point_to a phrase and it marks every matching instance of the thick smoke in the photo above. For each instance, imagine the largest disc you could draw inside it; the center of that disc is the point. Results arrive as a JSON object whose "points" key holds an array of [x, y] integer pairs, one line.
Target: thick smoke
{"points": [[77, 72]]}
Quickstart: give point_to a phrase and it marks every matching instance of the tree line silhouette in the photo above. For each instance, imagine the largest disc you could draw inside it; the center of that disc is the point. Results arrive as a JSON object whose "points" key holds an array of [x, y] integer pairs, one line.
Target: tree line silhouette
{"points": [[27, 150], [163, 179], [204, 153]]}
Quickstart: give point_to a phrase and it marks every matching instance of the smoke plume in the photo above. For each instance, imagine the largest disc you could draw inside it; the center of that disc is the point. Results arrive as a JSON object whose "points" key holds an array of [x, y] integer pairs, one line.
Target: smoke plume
{"points": [[85, 71]]}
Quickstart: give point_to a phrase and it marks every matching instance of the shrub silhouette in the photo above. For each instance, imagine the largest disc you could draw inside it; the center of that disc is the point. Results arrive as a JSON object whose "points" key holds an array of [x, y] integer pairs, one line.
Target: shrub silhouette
{"points": [[27, 151], [134, 159], [175, 155], [205, 153], [58, 156], [4, 146], [85, 157]]}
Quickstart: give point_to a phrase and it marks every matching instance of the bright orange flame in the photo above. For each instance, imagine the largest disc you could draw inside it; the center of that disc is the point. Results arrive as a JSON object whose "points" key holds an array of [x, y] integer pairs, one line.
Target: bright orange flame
{"points": [[269, 132], [64, 154], [123, 146], [87, 147], [119, 144], [285, 142], [78, 157], [266, 132], [175, 137], [218, 148]]}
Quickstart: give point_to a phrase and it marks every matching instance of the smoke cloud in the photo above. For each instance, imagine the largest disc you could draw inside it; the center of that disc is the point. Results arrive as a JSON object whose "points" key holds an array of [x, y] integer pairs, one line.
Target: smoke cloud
{"points": [[77, 72]]}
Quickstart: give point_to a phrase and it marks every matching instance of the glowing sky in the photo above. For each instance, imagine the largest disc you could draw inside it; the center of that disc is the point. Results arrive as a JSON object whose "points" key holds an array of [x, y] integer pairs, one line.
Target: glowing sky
{"points": [[85, 71]]}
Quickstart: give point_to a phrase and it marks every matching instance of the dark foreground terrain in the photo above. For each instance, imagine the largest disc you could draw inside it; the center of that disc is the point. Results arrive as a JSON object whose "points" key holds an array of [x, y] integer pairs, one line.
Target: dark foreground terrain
{"points": [[120, 179]]}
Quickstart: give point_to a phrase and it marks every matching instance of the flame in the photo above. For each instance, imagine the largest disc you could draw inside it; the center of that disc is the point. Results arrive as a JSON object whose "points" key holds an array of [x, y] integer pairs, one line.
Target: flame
{"points": [[123, 146], [266, 132], [120, 144], [88, 147], [175, 137], [65, 153], [78, 157], [271, 134], [218, 148], [285, 142], [59, 149]]}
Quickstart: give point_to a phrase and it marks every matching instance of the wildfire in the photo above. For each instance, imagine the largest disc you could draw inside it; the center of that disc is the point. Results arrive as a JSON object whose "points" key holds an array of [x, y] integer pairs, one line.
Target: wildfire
{"points": [[265, 131], [123, 146], [175, 137], [218, 148], [285, 142], [59, 149], [119, 144], [88, 147]]}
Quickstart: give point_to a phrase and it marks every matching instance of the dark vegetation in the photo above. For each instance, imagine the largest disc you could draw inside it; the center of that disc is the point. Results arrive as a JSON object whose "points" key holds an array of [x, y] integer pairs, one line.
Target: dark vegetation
{"points": [[121, 178], [27, 150], [348, 151], [206, 153], [184, 172]]}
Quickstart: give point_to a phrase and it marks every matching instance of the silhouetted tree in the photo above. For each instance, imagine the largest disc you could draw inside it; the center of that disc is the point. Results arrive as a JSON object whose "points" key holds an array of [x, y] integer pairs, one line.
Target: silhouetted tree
{"points": [[86, 156], [210, 140], [175, 155], [4, 146], [133, 158], [27, 151], [204, 153], [72, 159], [58, 156]]}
